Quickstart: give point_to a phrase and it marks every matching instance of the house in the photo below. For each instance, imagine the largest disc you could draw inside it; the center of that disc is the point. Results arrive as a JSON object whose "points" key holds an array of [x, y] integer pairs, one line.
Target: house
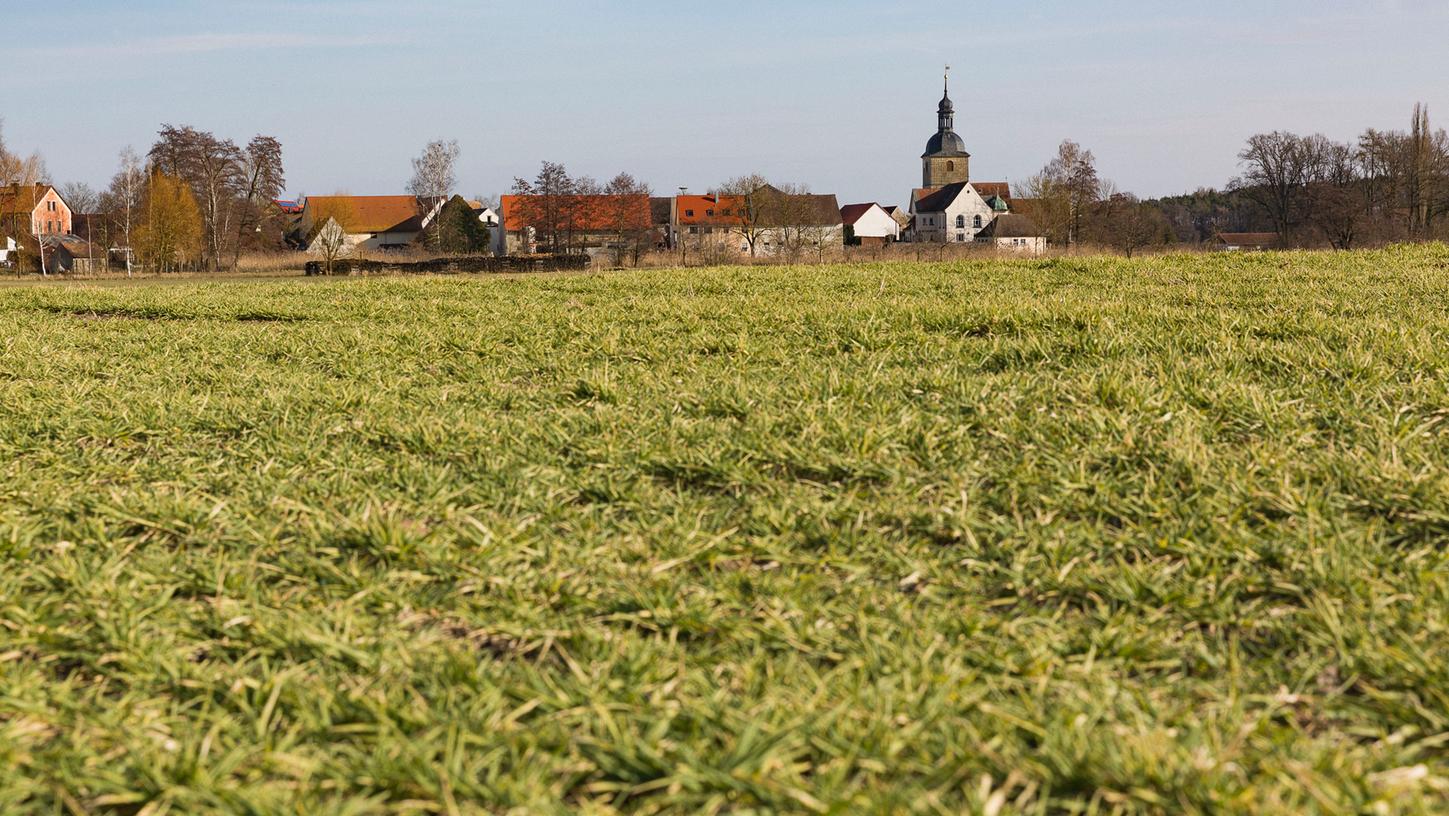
{"points": [[709, 222], [8, 248], [870, 224], [953, 214], [1013, 232], [33, 209], [370, 222], [490, 219], [591, 224], [1246, 241], [71, 253], [902, 217]]}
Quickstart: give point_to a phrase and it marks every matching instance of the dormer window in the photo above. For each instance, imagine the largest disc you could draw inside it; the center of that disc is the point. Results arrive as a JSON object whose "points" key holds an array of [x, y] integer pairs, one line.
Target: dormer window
{"points": [[689, 213], [709, 213]]}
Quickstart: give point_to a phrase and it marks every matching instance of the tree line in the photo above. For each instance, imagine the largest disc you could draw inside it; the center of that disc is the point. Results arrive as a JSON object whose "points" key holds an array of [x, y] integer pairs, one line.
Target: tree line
{"points": [[1308, 190]]}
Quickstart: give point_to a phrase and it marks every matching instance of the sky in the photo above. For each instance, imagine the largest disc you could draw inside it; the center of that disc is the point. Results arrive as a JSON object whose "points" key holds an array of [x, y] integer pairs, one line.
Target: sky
{"points": [[839, 95]]}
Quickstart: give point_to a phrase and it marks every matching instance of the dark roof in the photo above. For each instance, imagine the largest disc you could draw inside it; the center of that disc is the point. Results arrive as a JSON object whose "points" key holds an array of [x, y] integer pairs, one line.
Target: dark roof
{"points": [[1010, 225], [946, 144], [851, 213], [777, 208], [939, 199]]}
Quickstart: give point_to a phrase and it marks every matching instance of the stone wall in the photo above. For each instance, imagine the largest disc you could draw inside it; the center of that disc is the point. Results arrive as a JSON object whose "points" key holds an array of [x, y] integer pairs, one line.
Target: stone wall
{"points": [[463, 265]]}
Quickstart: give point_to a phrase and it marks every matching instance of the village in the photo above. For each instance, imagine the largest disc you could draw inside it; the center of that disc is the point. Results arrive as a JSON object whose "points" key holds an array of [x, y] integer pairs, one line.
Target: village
{"points": [[748, 218], [199, 203]]}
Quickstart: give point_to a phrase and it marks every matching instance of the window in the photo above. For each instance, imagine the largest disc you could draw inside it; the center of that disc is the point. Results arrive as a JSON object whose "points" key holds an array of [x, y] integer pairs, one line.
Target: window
{"points": [[950, 165], [709, 213], [960, 237], [694, 230], [976, 222], [960, 222], [689, 213]]}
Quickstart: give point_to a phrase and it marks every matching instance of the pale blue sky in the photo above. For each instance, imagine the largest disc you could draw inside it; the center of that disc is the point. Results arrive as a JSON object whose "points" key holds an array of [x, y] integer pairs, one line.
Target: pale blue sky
{"points": [[840, 95]]}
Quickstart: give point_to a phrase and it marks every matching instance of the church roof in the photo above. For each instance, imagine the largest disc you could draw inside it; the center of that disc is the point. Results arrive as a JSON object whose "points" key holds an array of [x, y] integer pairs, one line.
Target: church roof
{"points": [[946, 143]]}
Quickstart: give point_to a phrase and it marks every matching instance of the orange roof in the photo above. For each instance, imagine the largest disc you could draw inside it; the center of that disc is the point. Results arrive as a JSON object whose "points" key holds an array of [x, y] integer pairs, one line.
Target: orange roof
{"points": [[708, 210], [585, 213], [370, 213]]}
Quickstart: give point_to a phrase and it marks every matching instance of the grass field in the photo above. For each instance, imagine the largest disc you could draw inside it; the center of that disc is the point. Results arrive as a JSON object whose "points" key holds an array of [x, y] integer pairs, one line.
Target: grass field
{"points": [[1067, 536]]}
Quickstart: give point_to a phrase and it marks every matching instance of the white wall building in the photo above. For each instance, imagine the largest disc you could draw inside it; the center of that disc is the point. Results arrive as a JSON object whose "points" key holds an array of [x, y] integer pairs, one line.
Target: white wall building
{"points": [[953, 214], [870, 223]]}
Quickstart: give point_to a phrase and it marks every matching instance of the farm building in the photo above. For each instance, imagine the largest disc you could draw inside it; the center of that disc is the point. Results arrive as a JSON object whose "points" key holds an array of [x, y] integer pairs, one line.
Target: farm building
{"points": [[1010, 231], [369, 222], [870, 224]]}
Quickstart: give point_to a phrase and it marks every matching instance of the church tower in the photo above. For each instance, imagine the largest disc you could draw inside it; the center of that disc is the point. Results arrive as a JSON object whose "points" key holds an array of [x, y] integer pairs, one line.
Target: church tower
{"points": [[945, 160]]}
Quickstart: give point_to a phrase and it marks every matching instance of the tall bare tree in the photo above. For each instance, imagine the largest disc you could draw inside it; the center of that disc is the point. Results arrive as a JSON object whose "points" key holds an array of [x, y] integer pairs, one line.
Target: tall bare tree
{"points": [[212, 167], [263, 179], [1276, 168], [752, 216], [434, 172], [545, 205], [1064, 192], [124, 198]]}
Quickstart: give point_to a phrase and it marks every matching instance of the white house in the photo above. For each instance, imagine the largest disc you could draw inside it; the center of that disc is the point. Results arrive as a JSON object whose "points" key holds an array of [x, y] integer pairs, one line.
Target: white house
{"points": [[953, 214], [1012, 232], [870, 223], [489, 218]]}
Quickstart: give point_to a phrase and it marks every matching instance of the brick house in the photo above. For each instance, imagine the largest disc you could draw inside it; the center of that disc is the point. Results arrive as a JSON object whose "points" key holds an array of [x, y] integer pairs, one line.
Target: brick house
{"points": [[33, 209]]}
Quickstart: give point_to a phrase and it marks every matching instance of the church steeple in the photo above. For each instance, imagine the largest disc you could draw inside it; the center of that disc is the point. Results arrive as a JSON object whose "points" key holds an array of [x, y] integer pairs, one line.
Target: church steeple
{"points": [[946, 111], [945, 160]]}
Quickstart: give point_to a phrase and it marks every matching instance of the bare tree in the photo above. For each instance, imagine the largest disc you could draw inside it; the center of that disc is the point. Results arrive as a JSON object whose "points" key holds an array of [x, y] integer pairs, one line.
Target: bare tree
{"points": [[262, 180], [751, 213], [627, 213], [434, 171], [124, 197], [212, 167], [1276, 170], [80, 197], [1127, 224], [544, 205]]}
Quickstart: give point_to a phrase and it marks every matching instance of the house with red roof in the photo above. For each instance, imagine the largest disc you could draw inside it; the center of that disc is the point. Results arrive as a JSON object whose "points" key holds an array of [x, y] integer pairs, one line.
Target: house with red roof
{"points": [[369, 222], [591, 224], [767, 221], [869, 224]]}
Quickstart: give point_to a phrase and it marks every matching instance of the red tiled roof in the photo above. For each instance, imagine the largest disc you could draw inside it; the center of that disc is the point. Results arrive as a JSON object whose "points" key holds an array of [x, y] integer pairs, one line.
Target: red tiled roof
{"points": [[370, 213], [851, 213], [586, 213], [708, 210]]}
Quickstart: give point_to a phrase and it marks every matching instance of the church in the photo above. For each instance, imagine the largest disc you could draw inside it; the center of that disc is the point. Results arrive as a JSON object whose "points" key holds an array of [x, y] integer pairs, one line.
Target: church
{"points": [[949, 208]]}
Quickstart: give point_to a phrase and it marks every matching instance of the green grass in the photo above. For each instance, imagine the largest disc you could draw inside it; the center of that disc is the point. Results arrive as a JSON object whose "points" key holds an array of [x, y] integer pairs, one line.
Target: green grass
{"points": [[1067, 536]]}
